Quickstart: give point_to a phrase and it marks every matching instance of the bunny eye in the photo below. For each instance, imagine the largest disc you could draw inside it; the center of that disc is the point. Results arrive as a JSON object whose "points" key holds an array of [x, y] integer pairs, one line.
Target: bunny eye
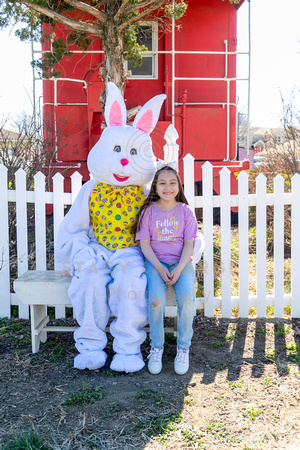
{"points": [[117, 148], [133, 151]]}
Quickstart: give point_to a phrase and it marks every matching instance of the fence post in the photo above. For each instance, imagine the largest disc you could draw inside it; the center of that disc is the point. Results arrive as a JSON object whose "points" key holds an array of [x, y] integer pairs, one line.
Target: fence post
{"points": [[261, 244], [58, 215], [171, 148], [76, 184], [4, 246], [278, 245], [208, 266], [225, 242], [22, 232], [189, 183], [295, 246], [243, 221], [40, 221]]}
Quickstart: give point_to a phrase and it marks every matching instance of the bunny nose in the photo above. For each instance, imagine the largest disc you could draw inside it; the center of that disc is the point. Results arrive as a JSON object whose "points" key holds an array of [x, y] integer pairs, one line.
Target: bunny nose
{"points": [[124, 162]]}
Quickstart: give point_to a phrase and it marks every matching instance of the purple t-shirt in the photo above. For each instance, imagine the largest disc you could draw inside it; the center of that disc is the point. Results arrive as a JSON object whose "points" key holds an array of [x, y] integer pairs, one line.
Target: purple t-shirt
{"points": [[167, 230]]}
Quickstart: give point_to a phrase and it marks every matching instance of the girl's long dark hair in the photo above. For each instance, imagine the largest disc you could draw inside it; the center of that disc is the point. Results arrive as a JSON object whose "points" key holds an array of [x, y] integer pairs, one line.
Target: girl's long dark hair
{"points": [[153, 197]]}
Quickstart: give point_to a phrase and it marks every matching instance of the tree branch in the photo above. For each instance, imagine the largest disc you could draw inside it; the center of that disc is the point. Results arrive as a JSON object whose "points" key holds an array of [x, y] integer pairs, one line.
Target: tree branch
{"points": [[142, 4], [88, 9], [71, 23], [141, 14], [121, 10]]}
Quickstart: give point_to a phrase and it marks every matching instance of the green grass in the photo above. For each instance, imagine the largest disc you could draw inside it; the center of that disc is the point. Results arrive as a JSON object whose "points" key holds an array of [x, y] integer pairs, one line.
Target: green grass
{"points": [[85, 395], [161, 425], [252, 413], [149, 394], [220, 432], [29, 440], [282, 330]]}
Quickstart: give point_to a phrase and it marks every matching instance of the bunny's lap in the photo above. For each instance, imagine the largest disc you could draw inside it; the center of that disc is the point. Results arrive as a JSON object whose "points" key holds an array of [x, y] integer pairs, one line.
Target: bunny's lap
{"points": [[122, 274]]}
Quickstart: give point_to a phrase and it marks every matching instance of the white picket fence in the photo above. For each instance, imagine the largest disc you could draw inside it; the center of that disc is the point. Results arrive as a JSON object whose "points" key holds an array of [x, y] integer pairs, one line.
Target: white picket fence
{"points": [[58, 198]]}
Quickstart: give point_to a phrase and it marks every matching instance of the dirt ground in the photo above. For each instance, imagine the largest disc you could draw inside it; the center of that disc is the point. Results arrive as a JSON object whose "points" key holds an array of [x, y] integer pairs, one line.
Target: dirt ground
{"points": [[242, 391]]}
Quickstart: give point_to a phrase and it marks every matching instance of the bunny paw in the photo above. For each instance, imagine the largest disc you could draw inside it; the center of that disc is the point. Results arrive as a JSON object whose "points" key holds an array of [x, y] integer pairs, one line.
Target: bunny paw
{"points": [[92, 360], [127, 363]]}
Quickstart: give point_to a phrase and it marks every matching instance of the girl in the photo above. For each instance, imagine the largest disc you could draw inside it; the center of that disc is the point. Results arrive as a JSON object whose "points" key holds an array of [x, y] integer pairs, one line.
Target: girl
{"points": [[166, 229]]}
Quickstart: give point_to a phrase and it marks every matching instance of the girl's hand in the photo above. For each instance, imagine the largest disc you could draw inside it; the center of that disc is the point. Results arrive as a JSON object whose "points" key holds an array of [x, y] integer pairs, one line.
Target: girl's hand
{"points": [[165, 274], [175, 274]]}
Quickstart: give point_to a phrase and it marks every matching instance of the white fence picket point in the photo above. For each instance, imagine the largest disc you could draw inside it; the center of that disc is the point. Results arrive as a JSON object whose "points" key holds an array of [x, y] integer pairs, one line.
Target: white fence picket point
{"points": [[208, 266], [58, 215], [40, 221], [76, 184], [22, 232], [278, 246], [295, 246], [171, 148], [243, 222], [261, 245], [225, 242], [189, 177], [4, 246]]}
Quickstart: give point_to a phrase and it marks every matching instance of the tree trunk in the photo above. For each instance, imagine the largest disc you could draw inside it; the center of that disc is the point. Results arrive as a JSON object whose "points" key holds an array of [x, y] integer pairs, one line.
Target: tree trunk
{"points": [[113, 69]]}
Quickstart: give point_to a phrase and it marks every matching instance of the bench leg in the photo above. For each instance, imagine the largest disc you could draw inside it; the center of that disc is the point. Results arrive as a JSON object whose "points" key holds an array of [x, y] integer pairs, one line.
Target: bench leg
{"points": [[39, 320]]}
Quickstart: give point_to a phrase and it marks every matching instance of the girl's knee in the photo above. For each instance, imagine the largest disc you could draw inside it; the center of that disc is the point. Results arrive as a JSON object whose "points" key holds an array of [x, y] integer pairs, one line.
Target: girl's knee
{"points": [[156, 303]]}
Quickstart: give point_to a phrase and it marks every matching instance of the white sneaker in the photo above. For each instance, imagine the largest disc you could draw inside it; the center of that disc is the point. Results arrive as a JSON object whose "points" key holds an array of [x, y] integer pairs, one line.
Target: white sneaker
{"points": [[181, 363], [155, 357]]}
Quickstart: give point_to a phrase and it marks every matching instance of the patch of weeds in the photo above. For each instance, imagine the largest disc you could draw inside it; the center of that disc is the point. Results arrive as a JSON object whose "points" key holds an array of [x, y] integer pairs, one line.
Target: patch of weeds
{"points": [[85, 395], [26, 441], [69, 363], [252, 413], [282, 330], [19, 331], [58, 352], [219, 344], [192, 437], [234, 326], [109, 373], [37, 360], [252, 310], [261, 330], [161, 425], [232, 335], [220, 432], [116, 408], [294, 355], [219, 397], [268, 381], [240, 384], [148, 394], [188, 401], [20, 352], [287, 310], [219, 366], [271, 355], [208, 333], [169, 337]]}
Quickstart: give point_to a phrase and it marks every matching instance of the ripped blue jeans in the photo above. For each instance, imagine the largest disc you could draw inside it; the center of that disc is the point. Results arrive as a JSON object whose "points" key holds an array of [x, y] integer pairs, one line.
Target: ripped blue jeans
{"points": [[184, 292]]}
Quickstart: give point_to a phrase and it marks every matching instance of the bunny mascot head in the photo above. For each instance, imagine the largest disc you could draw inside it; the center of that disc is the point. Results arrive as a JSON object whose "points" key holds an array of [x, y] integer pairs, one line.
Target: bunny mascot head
{"points": [[96, 245]]}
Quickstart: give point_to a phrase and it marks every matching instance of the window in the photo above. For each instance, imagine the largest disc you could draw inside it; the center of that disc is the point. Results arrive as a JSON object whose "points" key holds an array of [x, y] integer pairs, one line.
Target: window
{"points": [[147, 36]]}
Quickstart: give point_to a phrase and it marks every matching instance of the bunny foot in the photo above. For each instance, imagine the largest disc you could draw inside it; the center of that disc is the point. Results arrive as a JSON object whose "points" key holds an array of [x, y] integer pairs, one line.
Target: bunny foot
{"points": [[92, 360], [127, 363]]}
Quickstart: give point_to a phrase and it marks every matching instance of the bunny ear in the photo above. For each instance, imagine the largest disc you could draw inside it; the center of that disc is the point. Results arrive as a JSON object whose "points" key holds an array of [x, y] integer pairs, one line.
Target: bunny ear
{"points": [[115, 109], [148, 115]]}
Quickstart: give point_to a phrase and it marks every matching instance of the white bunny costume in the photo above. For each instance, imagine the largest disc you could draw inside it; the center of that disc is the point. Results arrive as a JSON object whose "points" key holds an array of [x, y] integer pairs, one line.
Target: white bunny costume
{"points": [[95, 243]]}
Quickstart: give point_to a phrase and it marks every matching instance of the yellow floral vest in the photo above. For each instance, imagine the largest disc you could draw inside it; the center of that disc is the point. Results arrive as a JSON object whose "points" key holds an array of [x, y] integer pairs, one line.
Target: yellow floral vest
{"points": [[113, 211]]}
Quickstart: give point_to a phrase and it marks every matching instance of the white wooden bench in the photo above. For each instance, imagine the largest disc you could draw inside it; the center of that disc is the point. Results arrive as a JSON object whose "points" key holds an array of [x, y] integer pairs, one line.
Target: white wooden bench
{"points": [[42, 288]]}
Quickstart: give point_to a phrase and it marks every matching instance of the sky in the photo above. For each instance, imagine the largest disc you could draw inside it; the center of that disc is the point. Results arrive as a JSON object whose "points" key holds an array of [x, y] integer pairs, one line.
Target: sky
{"points": [[275, 63]]}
